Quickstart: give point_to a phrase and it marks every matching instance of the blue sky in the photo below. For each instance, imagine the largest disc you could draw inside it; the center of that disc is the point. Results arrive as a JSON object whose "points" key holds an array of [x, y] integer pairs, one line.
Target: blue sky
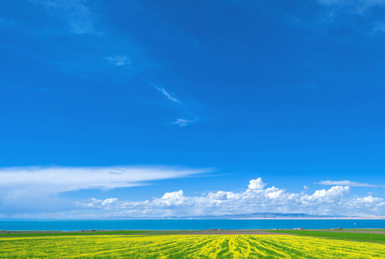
{"points": [[180, 108]]}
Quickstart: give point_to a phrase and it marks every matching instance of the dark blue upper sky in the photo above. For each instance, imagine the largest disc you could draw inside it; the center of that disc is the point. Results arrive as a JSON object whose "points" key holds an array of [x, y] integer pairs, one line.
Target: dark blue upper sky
{"points": [[290, 91]]}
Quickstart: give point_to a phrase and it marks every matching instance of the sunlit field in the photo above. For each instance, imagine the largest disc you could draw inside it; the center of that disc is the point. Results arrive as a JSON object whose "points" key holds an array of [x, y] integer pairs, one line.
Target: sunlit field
{"points": [[186, 246]]}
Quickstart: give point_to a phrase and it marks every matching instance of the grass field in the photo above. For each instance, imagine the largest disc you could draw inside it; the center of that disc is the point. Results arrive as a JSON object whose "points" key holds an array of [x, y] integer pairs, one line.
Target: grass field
{"points": [[186, 246], [364, 229]]}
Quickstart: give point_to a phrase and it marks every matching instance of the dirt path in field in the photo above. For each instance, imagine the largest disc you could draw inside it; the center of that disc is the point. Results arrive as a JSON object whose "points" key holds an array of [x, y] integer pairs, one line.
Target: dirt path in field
{"points": [[237, 233]]}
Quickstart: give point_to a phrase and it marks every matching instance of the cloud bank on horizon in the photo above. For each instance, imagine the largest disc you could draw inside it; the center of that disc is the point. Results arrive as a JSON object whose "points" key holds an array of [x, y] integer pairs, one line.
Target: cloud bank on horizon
{"points": [[256, 199], [24, 190]]}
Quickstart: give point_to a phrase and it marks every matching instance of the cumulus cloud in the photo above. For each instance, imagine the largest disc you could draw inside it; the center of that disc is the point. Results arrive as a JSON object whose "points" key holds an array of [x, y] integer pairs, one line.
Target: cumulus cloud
{"points": [[256, 184], [173, 195], [96, 203], [221, 195], [349, 183], [255, 199], [79, 18], [328, 196]]}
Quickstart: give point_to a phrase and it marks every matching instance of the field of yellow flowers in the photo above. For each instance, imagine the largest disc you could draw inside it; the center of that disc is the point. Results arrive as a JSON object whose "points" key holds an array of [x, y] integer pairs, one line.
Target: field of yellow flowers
{"points": [[186, 246]]}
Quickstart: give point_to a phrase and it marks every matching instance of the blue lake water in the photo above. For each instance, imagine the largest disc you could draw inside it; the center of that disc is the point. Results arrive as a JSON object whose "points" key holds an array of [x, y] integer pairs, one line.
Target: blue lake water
{"points": [[186, 224]]}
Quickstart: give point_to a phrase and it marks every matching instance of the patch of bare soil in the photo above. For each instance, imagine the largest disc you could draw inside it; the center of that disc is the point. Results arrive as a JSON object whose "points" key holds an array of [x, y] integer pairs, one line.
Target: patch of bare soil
{"points": [[236, 233]]}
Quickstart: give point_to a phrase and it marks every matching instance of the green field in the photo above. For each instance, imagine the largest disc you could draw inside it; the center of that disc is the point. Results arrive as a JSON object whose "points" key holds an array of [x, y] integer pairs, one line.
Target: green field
{"points": [[185, 246], [364, 229]]}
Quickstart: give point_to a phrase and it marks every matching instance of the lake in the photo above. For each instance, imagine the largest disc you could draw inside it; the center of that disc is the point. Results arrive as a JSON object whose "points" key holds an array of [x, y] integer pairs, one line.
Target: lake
{"points": [[188, 224]]}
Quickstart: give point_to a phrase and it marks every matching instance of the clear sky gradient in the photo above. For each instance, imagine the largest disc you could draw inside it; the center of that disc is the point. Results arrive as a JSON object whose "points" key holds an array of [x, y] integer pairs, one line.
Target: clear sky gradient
{"points": [[105, 105]]}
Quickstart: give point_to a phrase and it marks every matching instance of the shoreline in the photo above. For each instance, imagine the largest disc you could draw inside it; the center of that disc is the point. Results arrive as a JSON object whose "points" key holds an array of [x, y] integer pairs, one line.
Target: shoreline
{"points": [[117, 219]]}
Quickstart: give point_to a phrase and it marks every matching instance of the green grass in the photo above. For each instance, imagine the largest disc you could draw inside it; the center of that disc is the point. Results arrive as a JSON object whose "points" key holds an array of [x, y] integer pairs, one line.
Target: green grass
{"points": [[362, 237], [363, 229]]}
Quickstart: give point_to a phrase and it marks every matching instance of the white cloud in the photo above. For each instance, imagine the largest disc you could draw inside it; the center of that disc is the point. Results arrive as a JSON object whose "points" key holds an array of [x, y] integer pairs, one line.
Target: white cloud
{"points": [[221, 195], [256, 184], [353, 6], [109, 201], [75, 13], [379, 27], [352, 2], [95, 203], [23, 187], [173, 195], [349, 183], [62, 179], [119, 60], [332, 195], [255, 199], [368, 199], [182, 122], [168, 95]]}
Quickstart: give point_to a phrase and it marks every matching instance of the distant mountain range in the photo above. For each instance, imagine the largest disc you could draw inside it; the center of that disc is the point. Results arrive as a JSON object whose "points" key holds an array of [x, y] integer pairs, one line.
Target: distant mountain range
{"points": [[264, 215], [275, 215]]}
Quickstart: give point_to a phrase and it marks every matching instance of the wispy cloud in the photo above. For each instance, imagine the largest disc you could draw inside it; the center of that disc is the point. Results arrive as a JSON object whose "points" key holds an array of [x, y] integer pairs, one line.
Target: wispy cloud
{"points": [[76, 14], [119, 60], [379, 27], [182, 122], [352, 2], [26, 189], [353, 6], [349, 183], [62, 179], [168, 95], [7, 23]]}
